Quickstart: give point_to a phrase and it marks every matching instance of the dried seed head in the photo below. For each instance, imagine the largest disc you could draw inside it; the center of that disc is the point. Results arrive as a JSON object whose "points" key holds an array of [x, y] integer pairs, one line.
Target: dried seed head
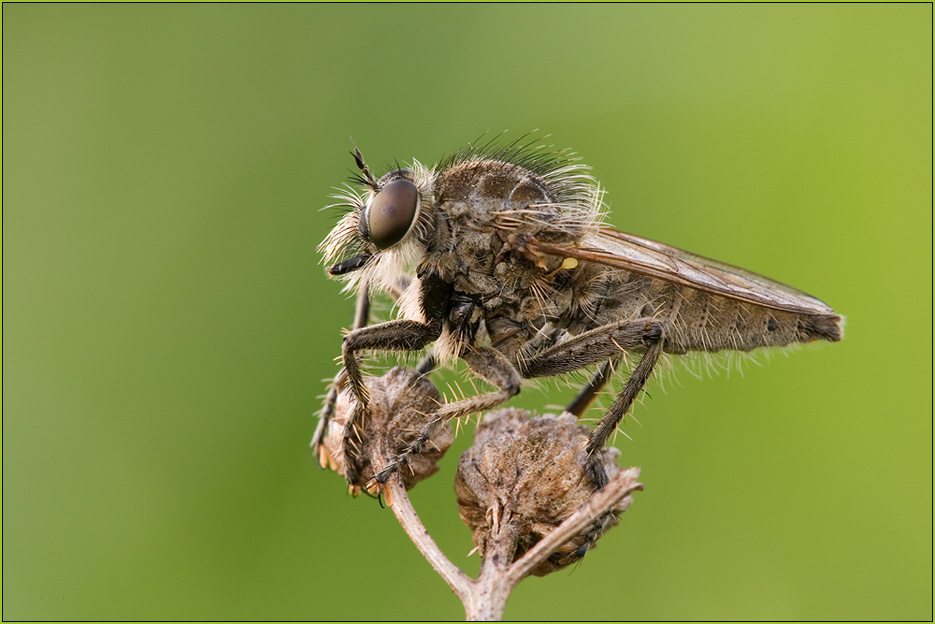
{"points": [[399, 402], [529, 473]]}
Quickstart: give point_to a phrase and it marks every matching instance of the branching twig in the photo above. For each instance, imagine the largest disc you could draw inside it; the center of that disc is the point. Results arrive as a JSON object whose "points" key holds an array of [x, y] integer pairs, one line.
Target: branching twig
{"points": [[484, 599]]}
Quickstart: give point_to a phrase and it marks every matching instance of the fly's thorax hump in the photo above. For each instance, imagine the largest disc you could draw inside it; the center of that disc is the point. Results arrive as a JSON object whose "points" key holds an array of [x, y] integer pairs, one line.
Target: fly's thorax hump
{"points": [[490, 183], [491, 193]]}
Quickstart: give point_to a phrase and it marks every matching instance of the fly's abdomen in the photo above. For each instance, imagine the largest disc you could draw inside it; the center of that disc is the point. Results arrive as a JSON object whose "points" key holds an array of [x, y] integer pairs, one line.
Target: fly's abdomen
{"points": [[699, 321], [692, 320]]}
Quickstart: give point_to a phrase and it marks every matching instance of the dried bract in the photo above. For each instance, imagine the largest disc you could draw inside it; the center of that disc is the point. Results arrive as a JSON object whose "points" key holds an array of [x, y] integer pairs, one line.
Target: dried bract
{"points": [[524, 476], [399, 401]]}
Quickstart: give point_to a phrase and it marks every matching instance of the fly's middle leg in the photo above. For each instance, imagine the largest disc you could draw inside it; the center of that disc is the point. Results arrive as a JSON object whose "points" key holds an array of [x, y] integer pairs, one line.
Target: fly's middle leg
{"points": [[361, 319], [488, 364]]}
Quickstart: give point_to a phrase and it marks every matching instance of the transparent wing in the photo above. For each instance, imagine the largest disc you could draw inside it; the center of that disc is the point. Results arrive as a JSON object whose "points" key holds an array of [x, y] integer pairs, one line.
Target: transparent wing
{"points": [[645, 257]]}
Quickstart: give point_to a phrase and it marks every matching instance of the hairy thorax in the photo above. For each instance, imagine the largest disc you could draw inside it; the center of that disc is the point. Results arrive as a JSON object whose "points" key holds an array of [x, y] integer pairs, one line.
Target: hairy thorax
{"points": [[516, 293]]}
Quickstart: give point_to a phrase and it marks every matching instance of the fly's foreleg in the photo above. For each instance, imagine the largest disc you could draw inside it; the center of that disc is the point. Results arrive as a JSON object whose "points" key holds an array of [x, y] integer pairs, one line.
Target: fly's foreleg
{"points": [[488, 364], [390, 336], [400, 335], [361, 319]]}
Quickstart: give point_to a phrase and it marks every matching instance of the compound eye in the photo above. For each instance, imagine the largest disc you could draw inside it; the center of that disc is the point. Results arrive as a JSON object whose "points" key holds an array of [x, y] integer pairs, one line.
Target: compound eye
{"points": [[392, 212]]}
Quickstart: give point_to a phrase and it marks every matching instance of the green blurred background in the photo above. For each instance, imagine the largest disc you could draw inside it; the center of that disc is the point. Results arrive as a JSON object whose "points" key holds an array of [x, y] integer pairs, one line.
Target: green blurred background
{"points": [[167, 325]]}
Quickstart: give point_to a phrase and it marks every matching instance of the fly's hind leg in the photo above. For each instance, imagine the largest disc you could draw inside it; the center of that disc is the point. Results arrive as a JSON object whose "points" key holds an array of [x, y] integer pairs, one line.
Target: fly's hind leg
{"points": [[602, 343], [488, 364], [638, 378]]}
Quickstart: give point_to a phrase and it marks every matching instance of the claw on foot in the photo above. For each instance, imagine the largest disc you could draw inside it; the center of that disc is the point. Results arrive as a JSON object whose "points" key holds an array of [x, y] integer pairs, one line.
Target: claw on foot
{"points": [[595, 469], [377, 487], [374, 488]]}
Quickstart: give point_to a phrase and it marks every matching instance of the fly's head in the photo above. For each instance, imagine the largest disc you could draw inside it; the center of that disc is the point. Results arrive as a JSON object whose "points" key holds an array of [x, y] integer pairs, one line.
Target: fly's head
{"points": [[385, 228]]}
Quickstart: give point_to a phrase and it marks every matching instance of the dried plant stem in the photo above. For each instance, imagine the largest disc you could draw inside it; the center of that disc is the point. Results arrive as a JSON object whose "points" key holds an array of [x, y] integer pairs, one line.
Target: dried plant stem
{"points": [[485, 599], [459, 582]]}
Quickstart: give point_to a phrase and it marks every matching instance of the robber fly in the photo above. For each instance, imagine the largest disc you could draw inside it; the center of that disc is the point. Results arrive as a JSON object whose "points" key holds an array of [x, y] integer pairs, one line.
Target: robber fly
{"points": [[516, 275]]}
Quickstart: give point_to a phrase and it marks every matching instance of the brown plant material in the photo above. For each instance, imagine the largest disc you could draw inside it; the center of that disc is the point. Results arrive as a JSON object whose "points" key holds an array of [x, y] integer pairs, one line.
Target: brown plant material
{"points": [[399, 401], [523, 477]]}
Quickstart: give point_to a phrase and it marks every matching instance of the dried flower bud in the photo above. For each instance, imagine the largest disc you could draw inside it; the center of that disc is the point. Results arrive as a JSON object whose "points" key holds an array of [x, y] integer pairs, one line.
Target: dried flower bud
{"points": [[530, 473], [399, 402]]}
